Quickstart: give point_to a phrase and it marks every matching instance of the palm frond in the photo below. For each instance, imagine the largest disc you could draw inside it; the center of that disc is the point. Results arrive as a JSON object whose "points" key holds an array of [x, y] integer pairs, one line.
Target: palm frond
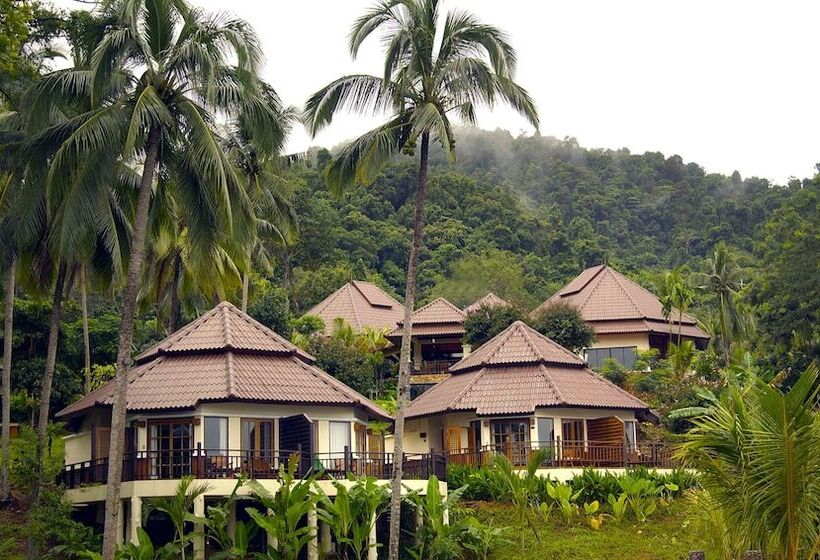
{"points": [[360, 93]]}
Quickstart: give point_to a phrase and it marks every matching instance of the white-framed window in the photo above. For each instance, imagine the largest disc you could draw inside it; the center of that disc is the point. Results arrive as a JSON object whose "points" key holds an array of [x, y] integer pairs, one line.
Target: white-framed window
{"points": [[546, 429], [216, 434], [339, 439]]}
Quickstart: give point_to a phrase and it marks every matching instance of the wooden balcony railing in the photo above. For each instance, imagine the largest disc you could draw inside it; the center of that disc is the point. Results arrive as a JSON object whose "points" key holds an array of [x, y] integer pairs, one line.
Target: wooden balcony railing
{"points": [[571, 454], [232, 463], [435, 366]]}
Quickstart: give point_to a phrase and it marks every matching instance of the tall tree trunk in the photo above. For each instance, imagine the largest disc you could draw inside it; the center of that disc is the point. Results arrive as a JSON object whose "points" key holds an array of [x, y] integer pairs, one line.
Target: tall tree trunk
{"points": [[176, 313], [245, 282], [5, 481], [402, 389], [86, 336], [724, 327], [47, 380], [129, 310]]}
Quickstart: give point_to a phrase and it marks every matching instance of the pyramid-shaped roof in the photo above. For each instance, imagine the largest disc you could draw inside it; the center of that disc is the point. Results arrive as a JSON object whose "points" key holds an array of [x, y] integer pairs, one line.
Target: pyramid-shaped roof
{"points": [[518, 344], [516, 372], [225, 356], [611, 303], [487, 300], [437, 318], [360, 304]]}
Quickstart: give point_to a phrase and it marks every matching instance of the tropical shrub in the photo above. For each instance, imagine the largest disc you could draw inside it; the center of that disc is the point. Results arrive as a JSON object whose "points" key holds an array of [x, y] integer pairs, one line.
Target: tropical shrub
{"points": [[353, 512], [563, 323], [284, 511], [758, 454], [179, 509]]}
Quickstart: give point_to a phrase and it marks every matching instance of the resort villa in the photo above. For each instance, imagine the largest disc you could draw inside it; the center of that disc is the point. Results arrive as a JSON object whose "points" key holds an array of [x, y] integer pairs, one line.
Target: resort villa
{"points": [[437, 343], [360, 304], [521, 391], [222, 397], [625, 316]]}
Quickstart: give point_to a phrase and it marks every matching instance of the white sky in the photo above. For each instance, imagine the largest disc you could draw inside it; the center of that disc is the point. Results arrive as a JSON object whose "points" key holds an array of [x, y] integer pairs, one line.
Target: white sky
{"points": [[729, 84]]}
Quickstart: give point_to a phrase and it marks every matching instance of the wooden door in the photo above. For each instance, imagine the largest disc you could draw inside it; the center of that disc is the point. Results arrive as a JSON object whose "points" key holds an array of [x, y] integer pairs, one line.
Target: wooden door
{"points": [[454, 439]]}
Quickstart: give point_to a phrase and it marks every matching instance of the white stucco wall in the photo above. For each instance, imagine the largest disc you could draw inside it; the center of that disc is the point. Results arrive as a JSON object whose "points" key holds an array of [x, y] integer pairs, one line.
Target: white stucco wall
{"points": [[640, 340]]}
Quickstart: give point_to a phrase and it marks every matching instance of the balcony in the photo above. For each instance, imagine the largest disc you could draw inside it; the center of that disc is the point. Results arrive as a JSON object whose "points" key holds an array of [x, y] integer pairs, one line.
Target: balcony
{"points": [[233, 463], [435, 366], [571, 454]]}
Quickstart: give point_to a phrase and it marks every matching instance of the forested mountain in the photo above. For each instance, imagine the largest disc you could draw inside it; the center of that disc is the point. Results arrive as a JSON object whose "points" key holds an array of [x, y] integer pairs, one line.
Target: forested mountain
{"points": [[521, 216], [518, 216]]}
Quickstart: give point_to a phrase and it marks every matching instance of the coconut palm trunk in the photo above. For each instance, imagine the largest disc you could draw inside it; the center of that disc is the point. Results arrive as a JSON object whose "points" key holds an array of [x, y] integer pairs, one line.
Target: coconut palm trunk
{"points": [[129, 310], [176, 306], [245, 283], [86, 336], [5, 481], [402, 389]]}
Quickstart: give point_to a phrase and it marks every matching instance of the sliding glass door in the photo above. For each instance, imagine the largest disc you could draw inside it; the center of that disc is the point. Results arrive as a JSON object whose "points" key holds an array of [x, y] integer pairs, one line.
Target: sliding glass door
{"points": [[512, 438]]}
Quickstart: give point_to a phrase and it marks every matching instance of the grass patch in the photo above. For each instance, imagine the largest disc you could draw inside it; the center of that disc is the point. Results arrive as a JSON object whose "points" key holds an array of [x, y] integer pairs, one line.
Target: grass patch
{"points": [[665, 536]]}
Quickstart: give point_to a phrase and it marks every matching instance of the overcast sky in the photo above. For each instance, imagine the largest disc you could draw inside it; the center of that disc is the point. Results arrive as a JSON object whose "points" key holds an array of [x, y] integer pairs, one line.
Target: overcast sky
{"points": [[727, 84]]}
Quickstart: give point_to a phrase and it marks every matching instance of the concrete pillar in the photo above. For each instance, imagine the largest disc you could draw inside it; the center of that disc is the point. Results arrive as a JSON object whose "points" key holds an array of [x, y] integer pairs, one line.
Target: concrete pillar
{"points": [[232, 520], [313, 543], [372, 551], [135, 522], [272, 542], [325, 544], [199, 540]]}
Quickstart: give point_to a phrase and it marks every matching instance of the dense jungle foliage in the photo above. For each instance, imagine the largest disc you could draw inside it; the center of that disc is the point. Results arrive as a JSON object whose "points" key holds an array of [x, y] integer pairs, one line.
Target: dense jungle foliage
{"points": [[518, 216]]}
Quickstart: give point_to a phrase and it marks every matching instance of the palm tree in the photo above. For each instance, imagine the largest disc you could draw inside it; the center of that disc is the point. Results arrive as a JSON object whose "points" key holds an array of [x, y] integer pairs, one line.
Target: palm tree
{"points": [[424, 84], [722, 280], [757, 451], [179, 509], [157, 78]]}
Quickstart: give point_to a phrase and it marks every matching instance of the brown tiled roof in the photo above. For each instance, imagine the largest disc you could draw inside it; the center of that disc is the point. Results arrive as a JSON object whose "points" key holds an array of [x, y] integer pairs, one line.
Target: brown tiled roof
{"points": [[518, 344], [602, 294], [225, 355], [437, 318], [488, 300], [642, 326], [516, 372], [360, 304]]}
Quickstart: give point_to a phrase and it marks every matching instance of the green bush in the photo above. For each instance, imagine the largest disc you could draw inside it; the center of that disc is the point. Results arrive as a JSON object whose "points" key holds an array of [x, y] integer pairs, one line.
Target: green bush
{"points": [[23, 458]]}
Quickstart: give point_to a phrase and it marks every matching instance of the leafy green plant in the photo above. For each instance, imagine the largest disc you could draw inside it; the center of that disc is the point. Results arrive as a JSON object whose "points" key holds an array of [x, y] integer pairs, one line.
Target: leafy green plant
{"points": [[564, 498], [144, 549], [228, 546], [521, 489], [641, 495], [758, 452], [284, 511], [618, 506], [179, 508], [438, 539], [353, 512], [595, 520], [481, 540]]}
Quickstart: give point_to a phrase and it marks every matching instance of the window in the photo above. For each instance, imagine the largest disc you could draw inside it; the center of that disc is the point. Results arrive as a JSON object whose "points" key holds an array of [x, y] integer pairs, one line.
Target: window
{"points": [[361, 438], [474, 435], [418, 389], [631, 434], [216, 435], [339, 439], [546, 429], [170, 443], [626, 356], [257, 437]]}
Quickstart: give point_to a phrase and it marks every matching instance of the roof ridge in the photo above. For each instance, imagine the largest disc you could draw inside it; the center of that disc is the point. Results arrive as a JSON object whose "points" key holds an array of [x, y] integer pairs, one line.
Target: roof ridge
{"points": [[618, 276], [529, 340], [478, 375], [229, 374], [330, 298], [355, 311], [553, 386], [600, 267], [226, 326], [564, 349]]}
